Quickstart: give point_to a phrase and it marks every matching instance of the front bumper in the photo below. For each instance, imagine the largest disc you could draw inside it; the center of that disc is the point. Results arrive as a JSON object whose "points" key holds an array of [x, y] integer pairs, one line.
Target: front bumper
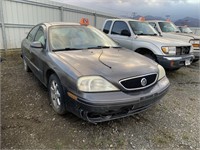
{"points": [[175, 62], [196, 54], [99, 107]]}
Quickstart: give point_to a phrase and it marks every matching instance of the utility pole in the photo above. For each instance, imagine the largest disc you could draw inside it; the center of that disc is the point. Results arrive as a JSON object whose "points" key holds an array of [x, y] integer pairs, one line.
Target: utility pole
{"points": [[133, 15]]}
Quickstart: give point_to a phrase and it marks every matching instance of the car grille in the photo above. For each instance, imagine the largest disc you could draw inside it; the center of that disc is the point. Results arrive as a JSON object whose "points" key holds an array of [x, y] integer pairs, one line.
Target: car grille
{"points": [[182, 50], [135, 83]]}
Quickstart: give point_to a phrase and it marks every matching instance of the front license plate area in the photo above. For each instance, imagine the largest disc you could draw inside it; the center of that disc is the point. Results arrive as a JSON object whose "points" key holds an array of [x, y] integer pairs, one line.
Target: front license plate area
{"points": [[187, 62]]}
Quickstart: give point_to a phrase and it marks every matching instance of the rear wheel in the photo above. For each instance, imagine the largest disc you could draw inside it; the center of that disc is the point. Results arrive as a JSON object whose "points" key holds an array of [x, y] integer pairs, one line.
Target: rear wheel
{"points": [[56, 95]]}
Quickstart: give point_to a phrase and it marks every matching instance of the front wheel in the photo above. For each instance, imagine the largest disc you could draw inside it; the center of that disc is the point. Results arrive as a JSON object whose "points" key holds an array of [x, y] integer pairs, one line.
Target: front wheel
{"points": [[150, 56], [56, 95], [26, 68]]}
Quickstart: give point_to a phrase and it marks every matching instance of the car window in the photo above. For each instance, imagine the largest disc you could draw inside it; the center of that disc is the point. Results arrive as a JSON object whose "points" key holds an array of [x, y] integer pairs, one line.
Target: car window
{"points": [[153, 24], [31, 34], [142, 28], [78, 37], [107, 27], [168, 27], [40, 36], [118, 27], [185, 29]]}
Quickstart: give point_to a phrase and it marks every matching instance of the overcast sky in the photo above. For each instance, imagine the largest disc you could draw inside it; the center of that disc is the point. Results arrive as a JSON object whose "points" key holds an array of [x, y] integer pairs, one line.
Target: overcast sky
{"points": [[177, 9]]}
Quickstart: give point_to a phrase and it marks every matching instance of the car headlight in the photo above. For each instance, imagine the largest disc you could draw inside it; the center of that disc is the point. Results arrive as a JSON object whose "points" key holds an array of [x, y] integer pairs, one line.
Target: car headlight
{"points": [[95, 84], [161, 72], [169, 50], [195, 43]]}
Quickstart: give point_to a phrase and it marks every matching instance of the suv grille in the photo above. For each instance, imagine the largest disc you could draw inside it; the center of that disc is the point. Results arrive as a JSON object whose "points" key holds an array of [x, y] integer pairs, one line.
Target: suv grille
{"points": [[182, 50], [139, 82]]}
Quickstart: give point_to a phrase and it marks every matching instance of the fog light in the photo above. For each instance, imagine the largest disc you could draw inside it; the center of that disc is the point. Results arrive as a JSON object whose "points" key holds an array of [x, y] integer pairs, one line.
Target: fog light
{"points": [[172, 63]]}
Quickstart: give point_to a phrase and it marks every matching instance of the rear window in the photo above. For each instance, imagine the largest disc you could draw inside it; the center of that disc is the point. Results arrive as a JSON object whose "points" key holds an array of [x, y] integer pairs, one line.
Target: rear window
{"points": [[107, 27]]}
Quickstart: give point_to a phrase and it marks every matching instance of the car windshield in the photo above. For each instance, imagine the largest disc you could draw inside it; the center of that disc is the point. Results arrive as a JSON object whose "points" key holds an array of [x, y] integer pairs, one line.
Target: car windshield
{"points": [[142, 28], [78, 37], [185, 30], [168, 27]]}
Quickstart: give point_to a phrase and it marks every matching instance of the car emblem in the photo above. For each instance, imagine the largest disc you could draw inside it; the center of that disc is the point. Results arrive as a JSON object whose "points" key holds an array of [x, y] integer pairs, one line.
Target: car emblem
{"points": [[144, 81]]}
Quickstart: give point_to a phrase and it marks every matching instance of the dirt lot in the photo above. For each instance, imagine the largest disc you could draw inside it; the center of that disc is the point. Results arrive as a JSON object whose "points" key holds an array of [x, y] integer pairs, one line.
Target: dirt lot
{"points": [[27, 121]]}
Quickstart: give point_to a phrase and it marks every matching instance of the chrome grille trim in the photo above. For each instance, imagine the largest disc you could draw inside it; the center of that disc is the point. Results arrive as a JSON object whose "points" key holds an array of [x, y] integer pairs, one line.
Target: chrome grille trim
{"points": [[133, 89]]}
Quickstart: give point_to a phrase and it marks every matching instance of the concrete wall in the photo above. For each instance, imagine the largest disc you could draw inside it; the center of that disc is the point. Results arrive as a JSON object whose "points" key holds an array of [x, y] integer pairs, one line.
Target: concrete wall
{"points": [[18, 16]]}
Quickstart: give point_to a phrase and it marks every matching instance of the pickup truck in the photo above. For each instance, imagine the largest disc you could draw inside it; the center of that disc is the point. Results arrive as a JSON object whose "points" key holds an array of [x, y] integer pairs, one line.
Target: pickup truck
{"points": [[169, 29], [142, 38]]}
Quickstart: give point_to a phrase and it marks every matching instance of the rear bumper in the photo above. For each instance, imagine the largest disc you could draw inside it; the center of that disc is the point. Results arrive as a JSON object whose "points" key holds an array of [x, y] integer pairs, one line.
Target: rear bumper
{"points": [[174, 62], [116, 105]]}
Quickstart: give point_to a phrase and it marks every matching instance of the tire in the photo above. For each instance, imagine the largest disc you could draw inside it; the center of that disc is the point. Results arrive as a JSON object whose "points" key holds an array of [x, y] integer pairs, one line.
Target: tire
{"points": [[26, 67], [56, 95]]}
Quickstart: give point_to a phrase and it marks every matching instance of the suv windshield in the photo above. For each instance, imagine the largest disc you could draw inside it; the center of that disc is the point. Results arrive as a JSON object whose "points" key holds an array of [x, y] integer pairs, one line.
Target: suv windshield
{"points": [[185, 30], [168, 27], [142, 28], [78, 37]]}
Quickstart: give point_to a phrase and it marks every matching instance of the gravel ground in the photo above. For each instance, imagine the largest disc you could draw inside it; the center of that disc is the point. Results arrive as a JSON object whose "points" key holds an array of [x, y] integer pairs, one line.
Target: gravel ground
{"points": [[27, 120]]}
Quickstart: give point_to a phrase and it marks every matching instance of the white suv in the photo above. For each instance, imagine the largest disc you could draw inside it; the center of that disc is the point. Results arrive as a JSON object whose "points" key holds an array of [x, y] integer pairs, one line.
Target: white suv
{"points": [[168, 29], [141, 37]]}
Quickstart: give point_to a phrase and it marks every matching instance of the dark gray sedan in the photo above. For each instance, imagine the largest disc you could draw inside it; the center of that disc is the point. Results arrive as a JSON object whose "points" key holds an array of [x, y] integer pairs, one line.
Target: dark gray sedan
{"points": [[88, 74]]}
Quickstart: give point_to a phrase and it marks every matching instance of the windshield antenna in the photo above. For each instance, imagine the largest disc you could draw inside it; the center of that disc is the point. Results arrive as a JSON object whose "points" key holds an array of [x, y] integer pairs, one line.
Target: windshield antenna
{"points": [[103, 62]]}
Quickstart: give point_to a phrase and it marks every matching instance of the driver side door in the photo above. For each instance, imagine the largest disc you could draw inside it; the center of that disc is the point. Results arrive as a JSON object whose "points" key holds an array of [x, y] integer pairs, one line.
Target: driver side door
{"points": [[38, 54]]}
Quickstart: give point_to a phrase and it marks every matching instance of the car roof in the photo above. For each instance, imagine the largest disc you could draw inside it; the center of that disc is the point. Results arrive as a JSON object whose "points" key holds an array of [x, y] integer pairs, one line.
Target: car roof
{"points": [[183, 26], [156, 20], [48, 24], [121, 19]]}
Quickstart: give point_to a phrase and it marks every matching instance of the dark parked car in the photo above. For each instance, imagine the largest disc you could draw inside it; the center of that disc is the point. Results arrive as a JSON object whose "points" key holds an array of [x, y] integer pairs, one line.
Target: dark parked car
{"points": [[88, 74]]}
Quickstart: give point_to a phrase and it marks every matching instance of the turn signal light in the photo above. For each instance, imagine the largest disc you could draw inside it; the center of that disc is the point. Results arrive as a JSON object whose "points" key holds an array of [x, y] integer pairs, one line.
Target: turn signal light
{"points": [[74, 97], [196, 45]]}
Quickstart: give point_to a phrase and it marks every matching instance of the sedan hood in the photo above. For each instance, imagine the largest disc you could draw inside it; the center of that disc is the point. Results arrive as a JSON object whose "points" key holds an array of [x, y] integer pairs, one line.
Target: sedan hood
{"points": [[112, 64]]}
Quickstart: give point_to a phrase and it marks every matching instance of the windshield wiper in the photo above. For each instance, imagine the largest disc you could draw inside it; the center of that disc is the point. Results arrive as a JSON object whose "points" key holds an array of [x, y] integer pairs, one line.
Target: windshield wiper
{"points": [[66, 49], [98, 47], [147, 34], [116, 47], [153, 34], [142, 34]]}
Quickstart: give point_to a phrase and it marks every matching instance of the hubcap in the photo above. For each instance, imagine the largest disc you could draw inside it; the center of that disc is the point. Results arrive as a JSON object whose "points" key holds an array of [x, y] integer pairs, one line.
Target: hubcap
{"points": [[55, 94]]}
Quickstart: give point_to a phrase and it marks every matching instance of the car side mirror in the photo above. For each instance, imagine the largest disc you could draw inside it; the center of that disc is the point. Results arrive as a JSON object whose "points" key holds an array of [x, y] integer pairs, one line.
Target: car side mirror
{"points": [[37, 44], [125, 33]]}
